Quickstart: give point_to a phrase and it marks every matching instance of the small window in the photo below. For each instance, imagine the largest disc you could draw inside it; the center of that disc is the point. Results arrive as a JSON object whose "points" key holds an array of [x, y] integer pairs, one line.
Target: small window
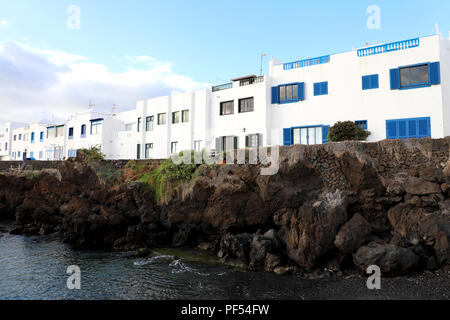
{"points": [[288, 93], [20, 137], [138, 152], [320, 88], [173, 147], [185, 116], [129, 127], [362, 124], [6, 146], [41, 136], [415, 76], [70, 133], [15, 137], [96, 127], [148, 149], [161, 119], [370, 82], [83, 131], [253, 141], [149, 123], [226, 108], [176, 117], [246, 105], [139, 124]]}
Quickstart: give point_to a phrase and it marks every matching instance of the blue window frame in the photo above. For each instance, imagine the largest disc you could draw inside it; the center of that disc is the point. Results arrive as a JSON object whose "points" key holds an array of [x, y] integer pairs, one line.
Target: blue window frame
{"points": [[362, 124], [41, 136], [415, 76], [321, 88], [288, 134], [70, 133], [32, 137], [32, 156], [18, 154], [83, 131], [370, 82], [408, 128], [288, 93], [15, 137]]}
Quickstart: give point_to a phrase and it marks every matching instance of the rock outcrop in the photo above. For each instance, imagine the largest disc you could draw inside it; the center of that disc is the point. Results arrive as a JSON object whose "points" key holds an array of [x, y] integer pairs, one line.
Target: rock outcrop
{"points": [[339, 206]]}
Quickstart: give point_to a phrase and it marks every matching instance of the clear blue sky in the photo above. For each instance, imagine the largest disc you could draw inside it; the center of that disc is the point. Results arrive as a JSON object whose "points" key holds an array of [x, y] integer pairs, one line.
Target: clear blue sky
{"points": [[211, 40]]}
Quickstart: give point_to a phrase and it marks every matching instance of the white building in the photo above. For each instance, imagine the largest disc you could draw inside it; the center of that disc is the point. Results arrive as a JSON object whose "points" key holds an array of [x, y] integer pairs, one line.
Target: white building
{"points": [[396, 90]]}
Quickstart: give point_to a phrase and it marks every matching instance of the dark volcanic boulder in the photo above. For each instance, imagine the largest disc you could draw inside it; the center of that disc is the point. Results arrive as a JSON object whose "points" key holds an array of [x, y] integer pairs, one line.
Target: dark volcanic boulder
{"points": [[353, 234], [417, 225], [235, 246], [392, 260], [310, 233], [421, 187]]}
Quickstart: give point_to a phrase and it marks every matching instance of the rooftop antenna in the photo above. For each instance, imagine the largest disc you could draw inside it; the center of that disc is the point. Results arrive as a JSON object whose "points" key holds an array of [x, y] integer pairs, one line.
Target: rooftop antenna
{"points": [[436, 30], [114, 108], [261, 68], [91, 105]]}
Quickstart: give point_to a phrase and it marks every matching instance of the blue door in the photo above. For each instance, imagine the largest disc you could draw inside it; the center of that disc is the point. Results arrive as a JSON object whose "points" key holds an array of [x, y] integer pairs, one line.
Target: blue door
{"points": [[408, 128]]}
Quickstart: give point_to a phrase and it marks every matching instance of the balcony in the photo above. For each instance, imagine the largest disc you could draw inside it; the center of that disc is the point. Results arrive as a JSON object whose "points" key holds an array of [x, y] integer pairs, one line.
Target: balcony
{"points": [[222, 87], [250, 81]]}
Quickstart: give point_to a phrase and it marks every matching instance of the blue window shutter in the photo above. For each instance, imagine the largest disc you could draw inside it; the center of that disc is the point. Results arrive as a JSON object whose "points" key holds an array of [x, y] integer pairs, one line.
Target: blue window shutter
{"points": [[391, 129], [424, 128], [365, 82], [374, 83], [325, 130], [435, 73], [402, 129], [275, 99], [324, 88], [316, 89], [395, 79], [287, 136], [301, 91], [412, 128]]}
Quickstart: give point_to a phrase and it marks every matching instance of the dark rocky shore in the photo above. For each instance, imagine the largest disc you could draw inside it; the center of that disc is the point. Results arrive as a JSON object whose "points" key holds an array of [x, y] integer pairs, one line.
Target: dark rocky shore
{"points": [[335, 208]]}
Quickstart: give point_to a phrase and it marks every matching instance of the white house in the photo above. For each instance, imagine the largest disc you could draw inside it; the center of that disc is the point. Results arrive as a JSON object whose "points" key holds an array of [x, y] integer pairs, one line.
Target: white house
{"points": [[395, 90]]}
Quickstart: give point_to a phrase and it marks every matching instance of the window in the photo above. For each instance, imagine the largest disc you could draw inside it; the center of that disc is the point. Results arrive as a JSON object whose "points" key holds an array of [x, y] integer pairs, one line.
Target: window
{"points": [[32, 155], [20, 136], [83, 131], [139, 124], [198, 146], [70, 133], [149, 123], [408, 128], [226, 108], [227, 143], [320, 88], [370, 82], [414, 76], [41, 155], [129, 127], [138, 152], [41, 136], [18, 154], [15, 137], [185, 116], [96, 127], [253, 141], [161, 118], [246, 105], [173, 147], [32, 137], [148, 148], [6, 146], [25, 137], [288, 93], [176, 117], [362, 124]]}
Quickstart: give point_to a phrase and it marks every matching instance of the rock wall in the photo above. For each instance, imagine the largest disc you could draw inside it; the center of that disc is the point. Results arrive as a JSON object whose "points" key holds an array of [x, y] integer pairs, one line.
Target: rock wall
{"points": [[336, 207]]}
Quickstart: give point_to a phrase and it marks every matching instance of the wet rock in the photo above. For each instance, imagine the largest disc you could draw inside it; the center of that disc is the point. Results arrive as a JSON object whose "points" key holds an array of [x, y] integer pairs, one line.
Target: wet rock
{"points": [[142, 252], [353, 234], [235, 246], [271, 262], [392, 260], [282, 271]]}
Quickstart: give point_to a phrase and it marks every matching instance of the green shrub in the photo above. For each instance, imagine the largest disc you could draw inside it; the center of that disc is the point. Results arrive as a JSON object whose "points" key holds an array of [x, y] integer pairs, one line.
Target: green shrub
{"points": [[93, 153], [164, 179], [347, 131]]}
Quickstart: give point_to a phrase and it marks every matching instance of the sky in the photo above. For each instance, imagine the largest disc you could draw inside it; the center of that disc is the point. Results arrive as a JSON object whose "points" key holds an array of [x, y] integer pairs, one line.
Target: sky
{"points": [[57, 55]]}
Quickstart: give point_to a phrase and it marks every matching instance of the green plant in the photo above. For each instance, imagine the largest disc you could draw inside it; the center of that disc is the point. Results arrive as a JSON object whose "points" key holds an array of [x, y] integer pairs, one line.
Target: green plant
{"points": [[347, 131], [30, 175], [93, 153], [169, 175]]}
